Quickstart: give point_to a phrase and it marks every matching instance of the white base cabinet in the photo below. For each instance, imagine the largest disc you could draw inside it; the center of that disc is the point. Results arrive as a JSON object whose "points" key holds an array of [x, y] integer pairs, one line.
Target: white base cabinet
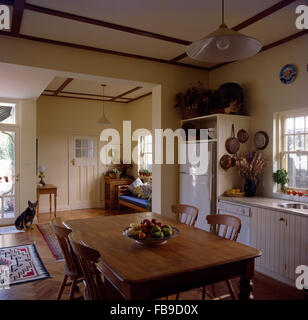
{"points": [[283, 240]]}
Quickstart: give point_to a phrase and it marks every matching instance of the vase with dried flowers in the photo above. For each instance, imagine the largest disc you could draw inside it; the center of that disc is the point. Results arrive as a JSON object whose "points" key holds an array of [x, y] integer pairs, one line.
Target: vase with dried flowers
{"points": [[250, 166]]}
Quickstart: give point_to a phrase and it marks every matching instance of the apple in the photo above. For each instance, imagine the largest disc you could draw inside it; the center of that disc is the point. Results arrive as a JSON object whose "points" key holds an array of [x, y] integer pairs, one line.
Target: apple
{"points": [[154, 221]]}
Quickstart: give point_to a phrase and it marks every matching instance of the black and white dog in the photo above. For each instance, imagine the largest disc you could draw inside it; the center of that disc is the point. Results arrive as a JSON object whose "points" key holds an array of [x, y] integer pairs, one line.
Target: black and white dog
{"points": [[25, 219]]}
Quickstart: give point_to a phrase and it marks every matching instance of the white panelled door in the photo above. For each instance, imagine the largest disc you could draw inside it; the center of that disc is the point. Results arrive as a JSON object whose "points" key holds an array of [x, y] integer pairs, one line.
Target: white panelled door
{"points": [[83, 172]]}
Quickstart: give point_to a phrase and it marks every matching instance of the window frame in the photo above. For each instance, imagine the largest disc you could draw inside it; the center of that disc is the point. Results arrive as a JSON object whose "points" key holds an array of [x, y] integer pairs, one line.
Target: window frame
{"points": [[142, 165], [281, 143]]}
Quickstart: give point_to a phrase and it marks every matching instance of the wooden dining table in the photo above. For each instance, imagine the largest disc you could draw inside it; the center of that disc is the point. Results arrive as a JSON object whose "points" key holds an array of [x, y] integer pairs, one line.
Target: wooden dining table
{"points": [[193, 259]]}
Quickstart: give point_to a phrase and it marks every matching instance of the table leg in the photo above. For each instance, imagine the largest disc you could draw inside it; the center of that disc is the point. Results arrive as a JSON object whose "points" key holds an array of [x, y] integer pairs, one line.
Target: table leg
{"points": [[49, 206], [55, 199], [245, 283]]}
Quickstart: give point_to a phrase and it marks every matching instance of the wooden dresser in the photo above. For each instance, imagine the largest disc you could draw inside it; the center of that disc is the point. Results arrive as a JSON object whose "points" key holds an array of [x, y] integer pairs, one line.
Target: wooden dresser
{"points": [[111, 196]]}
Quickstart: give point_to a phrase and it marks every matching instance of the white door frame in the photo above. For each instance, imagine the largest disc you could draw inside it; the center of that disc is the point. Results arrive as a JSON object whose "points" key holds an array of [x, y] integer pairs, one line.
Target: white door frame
{"points": [[15, 129], [70, 170]]}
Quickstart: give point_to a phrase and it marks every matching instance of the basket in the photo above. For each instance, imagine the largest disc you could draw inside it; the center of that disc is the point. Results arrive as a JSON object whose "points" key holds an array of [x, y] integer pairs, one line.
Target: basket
{"points": [[192, 111]]}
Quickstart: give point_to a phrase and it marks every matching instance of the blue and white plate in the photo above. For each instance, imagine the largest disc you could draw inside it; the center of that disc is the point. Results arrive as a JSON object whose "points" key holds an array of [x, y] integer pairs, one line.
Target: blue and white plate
{"points": [[287, 74]]}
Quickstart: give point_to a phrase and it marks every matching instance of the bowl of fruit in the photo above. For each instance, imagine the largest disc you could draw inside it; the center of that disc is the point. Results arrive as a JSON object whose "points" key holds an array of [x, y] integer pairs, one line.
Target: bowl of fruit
{"points": [[150, 232]]}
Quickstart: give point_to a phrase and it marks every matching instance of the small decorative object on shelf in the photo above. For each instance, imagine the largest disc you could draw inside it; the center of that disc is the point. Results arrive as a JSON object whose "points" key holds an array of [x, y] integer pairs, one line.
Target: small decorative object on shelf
{"points": [[231, 98], [250, 166], [287, 74], [41, 175], [281, 177]]}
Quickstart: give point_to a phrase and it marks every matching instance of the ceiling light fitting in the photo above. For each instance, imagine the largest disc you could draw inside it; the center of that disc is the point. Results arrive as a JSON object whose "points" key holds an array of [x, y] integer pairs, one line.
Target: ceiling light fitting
{"points": [[223, 45]]}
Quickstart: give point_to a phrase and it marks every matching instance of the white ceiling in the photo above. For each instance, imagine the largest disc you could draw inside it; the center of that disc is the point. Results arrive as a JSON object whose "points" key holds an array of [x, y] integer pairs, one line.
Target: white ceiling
{"points": [[19, 82], [85, 88], [182, 19]]}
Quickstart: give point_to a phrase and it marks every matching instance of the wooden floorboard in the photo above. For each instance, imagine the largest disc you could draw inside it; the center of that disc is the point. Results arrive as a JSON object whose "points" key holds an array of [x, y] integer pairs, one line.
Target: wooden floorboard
{"points": [[265, 288]]}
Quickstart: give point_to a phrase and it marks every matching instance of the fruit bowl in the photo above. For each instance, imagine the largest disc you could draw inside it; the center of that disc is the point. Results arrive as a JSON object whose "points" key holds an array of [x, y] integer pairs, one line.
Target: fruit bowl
{"points": [[150, 233]]}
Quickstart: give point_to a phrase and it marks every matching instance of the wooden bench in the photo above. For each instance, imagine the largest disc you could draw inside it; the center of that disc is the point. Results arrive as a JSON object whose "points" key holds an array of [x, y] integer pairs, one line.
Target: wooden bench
{"points": [[123, 191]]}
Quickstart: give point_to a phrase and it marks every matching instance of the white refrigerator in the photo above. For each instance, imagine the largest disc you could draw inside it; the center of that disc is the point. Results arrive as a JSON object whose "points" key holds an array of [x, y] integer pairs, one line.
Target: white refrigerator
{"points": [[200, 190]]}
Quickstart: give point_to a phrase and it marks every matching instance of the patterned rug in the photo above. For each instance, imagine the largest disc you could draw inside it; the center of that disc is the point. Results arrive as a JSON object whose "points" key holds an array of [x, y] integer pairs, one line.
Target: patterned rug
{"points": [[24, 264], [51, 240]]}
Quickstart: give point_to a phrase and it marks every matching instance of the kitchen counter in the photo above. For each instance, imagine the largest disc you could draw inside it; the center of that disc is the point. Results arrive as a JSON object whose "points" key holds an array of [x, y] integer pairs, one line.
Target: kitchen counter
{"points": [[266, 203]]}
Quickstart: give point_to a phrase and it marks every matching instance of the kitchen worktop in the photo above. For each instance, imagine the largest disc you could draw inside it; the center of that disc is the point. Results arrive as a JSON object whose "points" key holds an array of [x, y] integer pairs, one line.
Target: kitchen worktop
{"points": [[266, 203]]}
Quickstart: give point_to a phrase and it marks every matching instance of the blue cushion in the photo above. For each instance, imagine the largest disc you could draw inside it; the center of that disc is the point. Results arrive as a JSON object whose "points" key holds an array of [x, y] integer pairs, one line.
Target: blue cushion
{"points": [[143, 203]]}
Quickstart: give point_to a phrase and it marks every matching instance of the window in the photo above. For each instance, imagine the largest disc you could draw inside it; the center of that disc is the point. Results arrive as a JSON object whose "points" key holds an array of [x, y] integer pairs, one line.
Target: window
{"points": [[84, 148], [294, 149], [145, 152]]}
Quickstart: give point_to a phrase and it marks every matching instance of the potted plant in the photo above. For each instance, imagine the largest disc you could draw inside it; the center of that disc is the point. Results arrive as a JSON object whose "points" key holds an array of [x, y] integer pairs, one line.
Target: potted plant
{"points": [[250, 166], [117, 173], [281, 177]]}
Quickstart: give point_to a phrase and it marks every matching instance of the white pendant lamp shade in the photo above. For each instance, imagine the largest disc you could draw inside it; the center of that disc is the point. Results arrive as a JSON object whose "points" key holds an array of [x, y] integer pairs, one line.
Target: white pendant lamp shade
{"points": [[103, 120], [223, 45]]}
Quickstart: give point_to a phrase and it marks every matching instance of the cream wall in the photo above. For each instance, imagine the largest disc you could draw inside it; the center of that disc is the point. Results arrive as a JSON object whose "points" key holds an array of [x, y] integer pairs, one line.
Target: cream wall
{"points": [[264, 93], [57, 120], [140, 113], [169, 80]]}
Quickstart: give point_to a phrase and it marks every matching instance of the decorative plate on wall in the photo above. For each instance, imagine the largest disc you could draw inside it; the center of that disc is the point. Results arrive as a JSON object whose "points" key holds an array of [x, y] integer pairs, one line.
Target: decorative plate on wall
{"points": [[261, 140], [287, 74]]}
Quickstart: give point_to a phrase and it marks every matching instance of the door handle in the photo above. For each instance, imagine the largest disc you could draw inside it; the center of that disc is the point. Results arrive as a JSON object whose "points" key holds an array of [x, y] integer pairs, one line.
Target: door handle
{"points": [[17, 177], [73, 162]]}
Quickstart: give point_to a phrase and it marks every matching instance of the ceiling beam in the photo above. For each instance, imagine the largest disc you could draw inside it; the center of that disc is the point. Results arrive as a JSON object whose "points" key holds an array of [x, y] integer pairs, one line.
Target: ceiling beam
{"points": [[269, 46], [126, 93], [18, 12], [81, 98], [85, 94], [104, 24], [90, 48], [63, 85], [249, 21]]}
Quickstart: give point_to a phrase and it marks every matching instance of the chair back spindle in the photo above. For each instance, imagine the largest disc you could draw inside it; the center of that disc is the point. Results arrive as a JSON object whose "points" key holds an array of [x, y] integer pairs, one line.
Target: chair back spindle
{"points": [[225, 226], [185, 214]]}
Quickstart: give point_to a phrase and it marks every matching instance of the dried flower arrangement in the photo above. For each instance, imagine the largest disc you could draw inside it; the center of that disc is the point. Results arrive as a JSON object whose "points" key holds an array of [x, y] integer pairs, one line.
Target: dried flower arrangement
{"points": [[250, 165], [195, 101]]}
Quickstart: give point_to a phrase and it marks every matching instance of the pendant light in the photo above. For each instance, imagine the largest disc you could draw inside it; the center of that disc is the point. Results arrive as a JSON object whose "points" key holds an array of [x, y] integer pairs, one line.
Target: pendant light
{"points": [[223, 45], [103, 120]]}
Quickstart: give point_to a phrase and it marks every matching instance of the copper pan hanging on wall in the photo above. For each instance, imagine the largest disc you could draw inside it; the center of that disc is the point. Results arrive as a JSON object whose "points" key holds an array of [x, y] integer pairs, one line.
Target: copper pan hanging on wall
{"points": [[232, 143]]}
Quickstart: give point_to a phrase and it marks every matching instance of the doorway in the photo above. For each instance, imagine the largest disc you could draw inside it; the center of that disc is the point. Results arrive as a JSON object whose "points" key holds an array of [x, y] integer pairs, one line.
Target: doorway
{"points": [[9, 174], [83, 172]]}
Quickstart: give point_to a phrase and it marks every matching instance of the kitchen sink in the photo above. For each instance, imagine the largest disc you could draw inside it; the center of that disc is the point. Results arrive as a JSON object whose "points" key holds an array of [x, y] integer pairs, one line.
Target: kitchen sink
{"points": [[299, 206]]}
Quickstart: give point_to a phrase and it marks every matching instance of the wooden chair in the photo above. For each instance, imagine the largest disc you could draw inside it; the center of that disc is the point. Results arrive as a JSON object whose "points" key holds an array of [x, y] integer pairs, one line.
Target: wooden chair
{"points": [[227, 227], [72, 269], [88, 258], [185, 214]]}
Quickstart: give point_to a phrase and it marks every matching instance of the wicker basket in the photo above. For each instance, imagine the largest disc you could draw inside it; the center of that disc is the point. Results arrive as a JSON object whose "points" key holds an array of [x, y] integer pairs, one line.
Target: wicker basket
{"points": [[192, 111]]}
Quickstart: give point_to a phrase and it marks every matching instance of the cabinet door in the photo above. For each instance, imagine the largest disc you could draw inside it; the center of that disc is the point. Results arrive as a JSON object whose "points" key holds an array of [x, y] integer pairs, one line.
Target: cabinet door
{"points": [[296, 243], [267, 233]]}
